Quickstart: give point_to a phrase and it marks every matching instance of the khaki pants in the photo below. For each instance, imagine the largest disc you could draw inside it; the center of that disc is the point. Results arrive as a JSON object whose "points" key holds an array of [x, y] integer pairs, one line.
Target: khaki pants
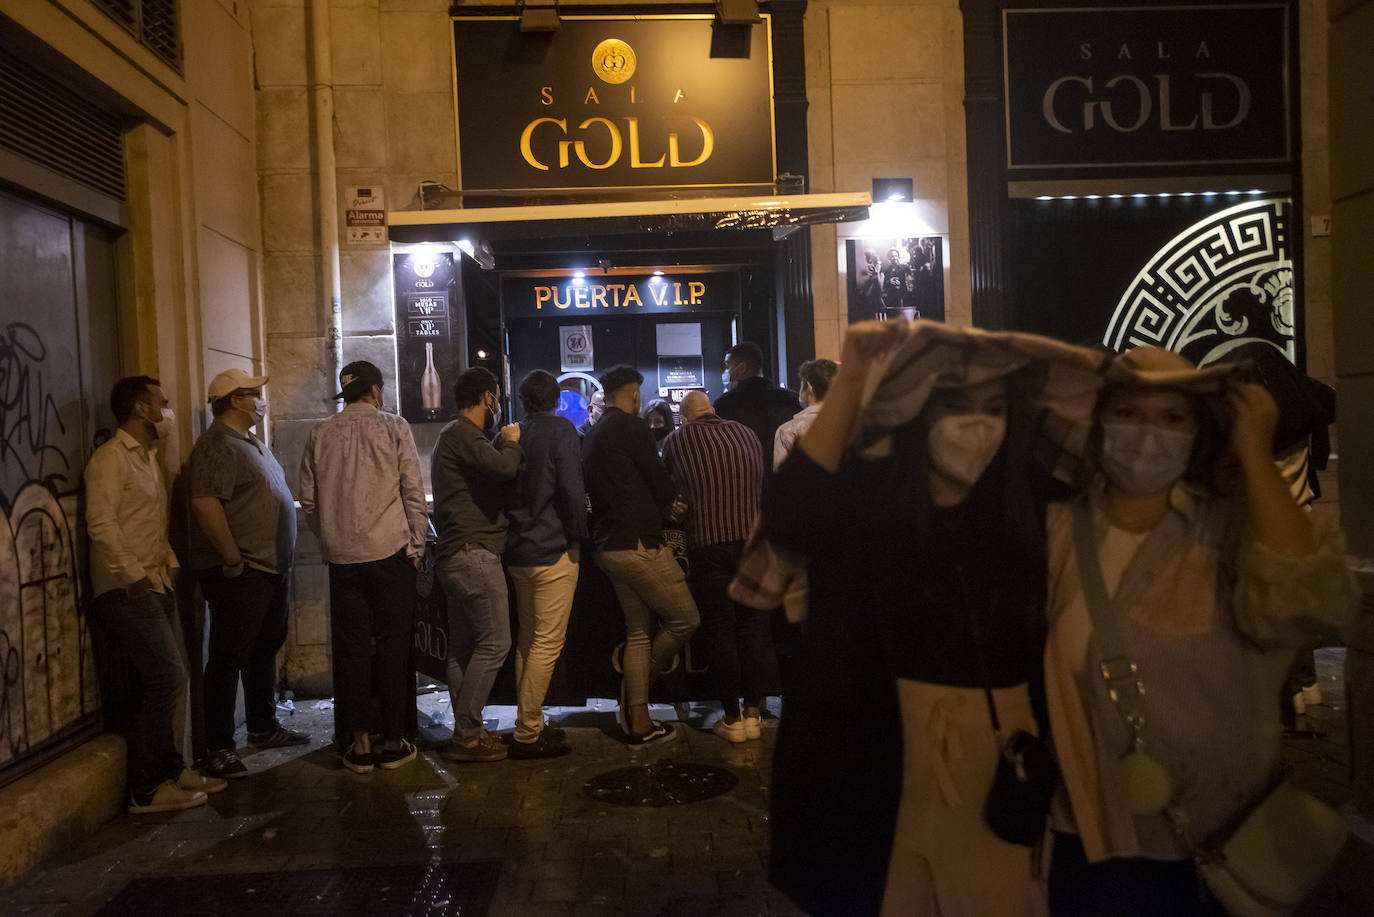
{"points": [[543, 601]]}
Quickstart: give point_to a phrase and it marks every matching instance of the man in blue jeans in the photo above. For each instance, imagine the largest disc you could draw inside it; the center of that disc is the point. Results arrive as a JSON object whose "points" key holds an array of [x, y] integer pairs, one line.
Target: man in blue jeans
{"points": [[132, 568], [471, 479]]}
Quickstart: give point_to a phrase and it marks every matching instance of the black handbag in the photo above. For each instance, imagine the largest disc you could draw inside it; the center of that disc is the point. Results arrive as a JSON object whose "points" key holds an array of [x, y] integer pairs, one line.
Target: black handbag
{"points": [[1018, 803]]}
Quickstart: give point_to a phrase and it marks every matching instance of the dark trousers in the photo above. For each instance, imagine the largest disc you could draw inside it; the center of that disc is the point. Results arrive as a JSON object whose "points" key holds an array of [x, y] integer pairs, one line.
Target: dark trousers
{"points": [[372, 604], [247, 627], [140, 634], [740, 639], [1134, 887]]}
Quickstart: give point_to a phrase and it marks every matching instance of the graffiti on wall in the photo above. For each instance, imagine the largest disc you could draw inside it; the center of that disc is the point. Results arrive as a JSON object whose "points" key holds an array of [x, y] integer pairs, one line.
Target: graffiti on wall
{"points": [[47, 683]]}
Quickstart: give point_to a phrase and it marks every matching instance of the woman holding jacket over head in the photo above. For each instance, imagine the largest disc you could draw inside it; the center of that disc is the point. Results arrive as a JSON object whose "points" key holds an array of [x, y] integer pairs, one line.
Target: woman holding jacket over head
{"points": [[1207, 581], [917, 502]]}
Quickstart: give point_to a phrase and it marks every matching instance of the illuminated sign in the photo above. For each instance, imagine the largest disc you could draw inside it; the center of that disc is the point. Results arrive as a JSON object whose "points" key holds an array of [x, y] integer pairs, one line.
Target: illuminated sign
{"points": [[1154, 86], [613, 102], [581, 297]]}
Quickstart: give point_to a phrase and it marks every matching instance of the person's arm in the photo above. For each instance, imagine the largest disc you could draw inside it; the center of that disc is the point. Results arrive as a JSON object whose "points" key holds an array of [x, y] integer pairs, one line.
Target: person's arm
{"points": [[501, 464], [412, 491], [782, 443], [571, 496], [209, 512], [307, 485], [103, 486], [828, 436], [1276, 519]]}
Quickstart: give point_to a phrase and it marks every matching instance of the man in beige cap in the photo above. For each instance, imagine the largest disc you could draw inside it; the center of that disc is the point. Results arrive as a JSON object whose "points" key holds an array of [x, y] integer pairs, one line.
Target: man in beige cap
{"points": [[243, 535]]}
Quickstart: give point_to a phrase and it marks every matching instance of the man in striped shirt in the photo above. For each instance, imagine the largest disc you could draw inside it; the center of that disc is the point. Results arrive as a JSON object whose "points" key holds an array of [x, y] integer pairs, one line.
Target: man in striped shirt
{"points": [[718, 467]]}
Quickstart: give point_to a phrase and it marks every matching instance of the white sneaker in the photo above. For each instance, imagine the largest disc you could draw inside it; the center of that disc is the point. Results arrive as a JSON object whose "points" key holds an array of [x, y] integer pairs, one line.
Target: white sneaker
{"points": [[168, 797], [731, 732], [1312, 695], [1299, 705], [193, 782], [753, 727]]}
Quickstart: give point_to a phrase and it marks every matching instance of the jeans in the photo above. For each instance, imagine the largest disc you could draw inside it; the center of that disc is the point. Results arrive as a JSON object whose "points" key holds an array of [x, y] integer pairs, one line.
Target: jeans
{"points": [[142, 631], [247, 628], [372, 604], [543, 601], [741, 639], [479, 633], [1124, 887], [649, 584]]}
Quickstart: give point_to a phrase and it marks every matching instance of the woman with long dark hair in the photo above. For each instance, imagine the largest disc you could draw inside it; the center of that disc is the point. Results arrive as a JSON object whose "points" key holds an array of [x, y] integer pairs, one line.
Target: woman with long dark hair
{"points": [[920, 506]]}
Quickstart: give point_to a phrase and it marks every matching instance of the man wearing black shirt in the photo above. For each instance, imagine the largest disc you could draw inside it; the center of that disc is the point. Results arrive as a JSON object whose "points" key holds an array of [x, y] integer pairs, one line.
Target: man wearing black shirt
{"points": [[752, 399], [630, 493]]}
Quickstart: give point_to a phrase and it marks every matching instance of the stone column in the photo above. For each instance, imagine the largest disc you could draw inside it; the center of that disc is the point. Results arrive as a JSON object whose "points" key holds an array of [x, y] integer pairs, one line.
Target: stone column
{"points": [[1351, 92]]}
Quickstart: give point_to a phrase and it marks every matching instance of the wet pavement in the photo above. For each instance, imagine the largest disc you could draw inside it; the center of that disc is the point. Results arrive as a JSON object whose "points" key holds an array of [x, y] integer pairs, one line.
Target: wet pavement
{"points": [[556, 848]]}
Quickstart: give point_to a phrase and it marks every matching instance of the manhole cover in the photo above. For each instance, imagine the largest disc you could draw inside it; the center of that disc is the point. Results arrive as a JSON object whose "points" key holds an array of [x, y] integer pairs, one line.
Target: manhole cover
{"points": [[665, 783]]}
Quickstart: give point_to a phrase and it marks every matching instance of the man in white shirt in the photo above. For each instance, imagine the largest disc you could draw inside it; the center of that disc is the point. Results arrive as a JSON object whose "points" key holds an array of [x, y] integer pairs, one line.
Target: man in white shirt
{"points": [[815, 378], [132, 568], [362, 494]]}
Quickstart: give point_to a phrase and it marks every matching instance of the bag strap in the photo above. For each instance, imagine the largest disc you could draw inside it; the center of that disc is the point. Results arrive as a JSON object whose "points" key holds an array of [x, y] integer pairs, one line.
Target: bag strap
{"points": [[1116, 668], [976, 627]]}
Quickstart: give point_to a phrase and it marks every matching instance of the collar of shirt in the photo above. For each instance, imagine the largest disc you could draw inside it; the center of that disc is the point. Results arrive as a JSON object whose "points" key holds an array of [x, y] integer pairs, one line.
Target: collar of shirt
{"points": [[226, 430], [128, 442], [360, 407]]}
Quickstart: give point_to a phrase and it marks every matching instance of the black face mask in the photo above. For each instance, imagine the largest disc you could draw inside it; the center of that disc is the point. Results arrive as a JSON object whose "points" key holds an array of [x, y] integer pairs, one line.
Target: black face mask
{"points": [[660, 432]]}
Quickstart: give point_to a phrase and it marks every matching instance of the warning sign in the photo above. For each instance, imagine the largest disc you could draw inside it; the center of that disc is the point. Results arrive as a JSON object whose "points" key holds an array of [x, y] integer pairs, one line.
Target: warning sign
{"points": [[365, 215]]}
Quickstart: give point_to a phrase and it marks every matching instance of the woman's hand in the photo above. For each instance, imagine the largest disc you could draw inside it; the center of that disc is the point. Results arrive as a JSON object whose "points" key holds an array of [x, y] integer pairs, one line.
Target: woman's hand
{"points": [[1254, 419], [865, 342]]}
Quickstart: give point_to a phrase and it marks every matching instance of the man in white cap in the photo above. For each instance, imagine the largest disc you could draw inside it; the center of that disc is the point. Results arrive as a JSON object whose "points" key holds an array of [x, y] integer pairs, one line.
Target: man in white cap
{"points": [[243, 535], [363, 497]]}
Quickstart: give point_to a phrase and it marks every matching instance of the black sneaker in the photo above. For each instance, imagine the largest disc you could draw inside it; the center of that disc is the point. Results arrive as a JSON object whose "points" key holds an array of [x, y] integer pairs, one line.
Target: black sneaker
{"points": [[224, 763], [546, 746], [661, 733], [358, 762], [388, 759], [277, 737]]}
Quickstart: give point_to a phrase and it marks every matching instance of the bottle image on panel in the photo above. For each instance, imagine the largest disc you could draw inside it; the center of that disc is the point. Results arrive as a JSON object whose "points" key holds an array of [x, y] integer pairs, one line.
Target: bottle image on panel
{"points": [[430, 393]]}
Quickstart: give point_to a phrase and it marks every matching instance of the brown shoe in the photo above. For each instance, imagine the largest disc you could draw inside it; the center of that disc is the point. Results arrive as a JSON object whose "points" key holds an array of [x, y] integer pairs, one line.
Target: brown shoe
{"points": [[487, 748]]}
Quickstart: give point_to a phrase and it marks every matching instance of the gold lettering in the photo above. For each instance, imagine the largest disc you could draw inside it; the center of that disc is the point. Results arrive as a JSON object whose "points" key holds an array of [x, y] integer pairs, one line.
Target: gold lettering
{"points": [[708, 145], [698, 290], [632, 296], [580, 298], [546, 95], [528, 154], [635, 161], [598, 297], [677, 293], [591, 96], [615, 144], [658, 291], [633, 99], [565, 303], [615, 289], [541, 296], [680, 97]]}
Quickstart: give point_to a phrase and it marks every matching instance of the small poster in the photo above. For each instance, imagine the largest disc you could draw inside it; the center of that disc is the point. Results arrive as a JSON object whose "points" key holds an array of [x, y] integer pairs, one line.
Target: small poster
{"points": [[575, 345], [365, 215], [896, 278], [680, 372]]}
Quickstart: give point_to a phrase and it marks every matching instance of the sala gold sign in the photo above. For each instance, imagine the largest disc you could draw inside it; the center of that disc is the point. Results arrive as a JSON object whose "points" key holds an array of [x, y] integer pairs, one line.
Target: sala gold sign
{"points": [[614, 62]]}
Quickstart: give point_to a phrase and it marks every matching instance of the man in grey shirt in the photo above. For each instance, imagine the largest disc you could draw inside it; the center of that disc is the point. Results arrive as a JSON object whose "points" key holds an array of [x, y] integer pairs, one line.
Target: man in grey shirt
{"points": [[471, 478], [363, 497], [243, 536]]}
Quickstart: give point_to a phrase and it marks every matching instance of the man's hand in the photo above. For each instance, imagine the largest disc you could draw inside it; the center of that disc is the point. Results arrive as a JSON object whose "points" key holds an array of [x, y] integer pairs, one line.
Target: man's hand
{"points": [[1254, 417], [233, 571], [139, 589], [864, 342], [678, 510], [511, 432]]}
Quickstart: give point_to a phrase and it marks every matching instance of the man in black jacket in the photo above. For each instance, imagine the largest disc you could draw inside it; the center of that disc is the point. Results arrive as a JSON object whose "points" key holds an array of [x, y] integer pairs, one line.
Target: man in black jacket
{"points": [[631, 492], [751, 398]]}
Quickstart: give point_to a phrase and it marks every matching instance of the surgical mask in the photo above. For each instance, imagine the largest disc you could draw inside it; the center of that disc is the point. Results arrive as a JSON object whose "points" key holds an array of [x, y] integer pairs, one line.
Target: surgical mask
{"points": [[166, 425], [495, 413], [725, 380], [259, 409], [1141, 459], [963, 445]]}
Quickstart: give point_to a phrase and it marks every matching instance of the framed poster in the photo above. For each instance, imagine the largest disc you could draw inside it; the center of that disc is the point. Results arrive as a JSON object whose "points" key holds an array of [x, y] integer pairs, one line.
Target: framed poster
{"points": [[896, 278], [426, 336]]}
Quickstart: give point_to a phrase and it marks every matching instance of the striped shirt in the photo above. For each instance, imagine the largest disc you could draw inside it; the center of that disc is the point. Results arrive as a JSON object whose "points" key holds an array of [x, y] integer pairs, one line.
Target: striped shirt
{"points": [[718, 467]]}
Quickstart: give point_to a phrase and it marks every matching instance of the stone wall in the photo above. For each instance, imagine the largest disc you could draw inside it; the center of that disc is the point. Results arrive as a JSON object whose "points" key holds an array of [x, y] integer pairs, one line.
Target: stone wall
{"points": [[885, 83]]}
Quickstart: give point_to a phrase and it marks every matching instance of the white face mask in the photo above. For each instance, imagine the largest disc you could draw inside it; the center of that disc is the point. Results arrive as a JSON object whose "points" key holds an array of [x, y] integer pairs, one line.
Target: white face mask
{"points": [[166, 425], [963, 445], [725, 379], [1141, 459]]}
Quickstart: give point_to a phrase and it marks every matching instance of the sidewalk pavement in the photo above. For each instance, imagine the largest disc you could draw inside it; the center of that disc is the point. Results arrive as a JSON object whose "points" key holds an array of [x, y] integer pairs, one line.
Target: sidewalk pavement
{"points": [[561, 852]]}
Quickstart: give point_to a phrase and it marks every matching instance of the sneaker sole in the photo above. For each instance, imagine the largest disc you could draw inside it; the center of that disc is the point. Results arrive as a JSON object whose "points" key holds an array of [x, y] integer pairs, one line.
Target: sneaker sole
{"points": [[166, 807], [399, 762], [359, 768], [667, 737]]}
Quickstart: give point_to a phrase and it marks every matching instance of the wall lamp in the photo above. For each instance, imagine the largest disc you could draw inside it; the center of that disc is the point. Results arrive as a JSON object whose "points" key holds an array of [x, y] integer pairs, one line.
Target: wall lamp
{"points": [[737, 12], [892, 189]]}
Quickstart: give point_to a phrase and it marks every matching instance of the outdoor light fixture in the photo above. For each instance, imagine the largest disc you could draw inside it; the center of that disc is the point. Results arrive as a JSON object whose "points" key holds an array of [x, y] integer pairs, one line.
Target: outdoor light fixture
{"points": [[892, 189], [538, 17], [737, 12]]}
